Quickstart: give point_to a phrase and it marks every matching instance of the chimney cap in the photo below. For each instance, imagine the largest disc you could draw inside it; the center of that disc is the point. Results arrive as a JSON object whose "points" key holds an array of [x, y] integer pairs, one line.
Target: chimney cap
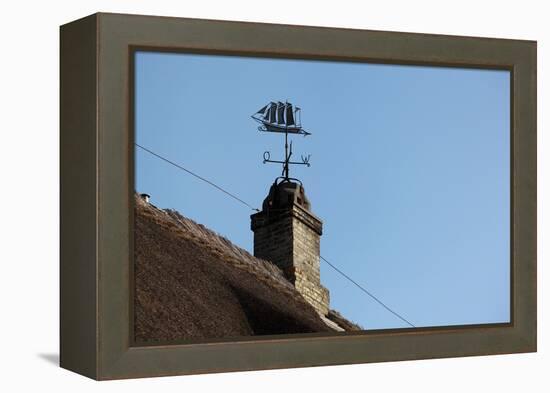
{"points": [[145, 197], [284, 195]]}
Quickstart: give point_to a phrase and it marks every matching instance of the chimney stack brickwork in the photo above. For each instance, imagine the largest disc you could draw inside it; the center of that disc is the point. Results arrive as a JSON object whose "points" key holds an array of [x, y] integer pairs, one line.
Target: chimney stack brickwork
{"points": [[289, 237]]}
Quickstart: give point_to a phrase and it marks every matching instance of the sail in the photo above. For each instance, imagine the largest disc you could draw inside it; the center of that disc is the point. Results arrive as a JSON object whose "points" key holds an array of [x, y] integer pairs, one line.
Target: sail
{"points": [[280, 113], [262, 111], [289, 115], [272, 112]]}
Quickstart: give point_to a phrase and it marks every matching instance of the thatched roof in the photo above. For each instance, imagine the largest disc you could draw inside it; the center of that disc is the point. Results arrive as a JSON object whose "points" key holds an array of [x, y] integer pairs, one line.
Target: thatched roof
{"points": [[191, 283]]}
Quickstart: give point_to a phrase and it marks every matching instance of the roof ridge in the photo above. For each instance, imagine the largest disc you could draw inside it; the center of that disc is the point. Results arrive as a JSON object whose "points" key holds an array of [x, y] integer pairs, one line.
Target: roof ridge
{"points": [[225, 244]]}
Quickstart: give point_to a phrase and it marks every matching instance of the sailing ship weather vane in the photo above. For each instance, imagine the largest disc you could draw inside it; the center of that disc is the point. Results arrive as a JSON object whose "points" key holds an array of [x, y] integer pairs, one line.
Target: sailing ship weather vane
{"points": [[284, 118]]}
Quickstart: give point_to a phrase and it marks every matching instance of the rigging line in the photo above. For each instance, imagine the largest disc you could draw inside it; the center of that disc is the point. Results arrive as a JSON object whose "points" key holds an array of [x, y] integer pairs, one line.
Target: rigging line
{"points": [[197, 176], [367, 292]]}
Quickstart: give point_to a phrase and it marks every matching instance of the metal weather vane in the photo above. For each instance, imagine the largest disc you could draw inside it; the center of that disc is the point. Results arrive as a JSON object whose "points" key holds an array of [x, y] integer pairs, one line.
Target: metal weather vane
{"points": [[284, 118]]}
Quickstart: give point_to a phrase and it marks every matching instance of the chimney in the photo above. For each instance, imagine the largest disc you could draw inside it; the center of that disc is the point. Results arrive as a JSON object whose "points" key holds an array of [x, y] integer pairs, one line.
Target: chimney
{"points": [[145, 197], [288, 234]]}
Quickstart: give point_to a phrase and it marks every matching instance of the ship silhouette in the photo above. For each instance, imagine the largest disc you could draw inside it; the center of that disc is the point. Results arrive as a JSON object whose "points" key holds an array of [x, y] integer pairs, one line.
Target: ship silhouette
{"points": [[280, 117]]}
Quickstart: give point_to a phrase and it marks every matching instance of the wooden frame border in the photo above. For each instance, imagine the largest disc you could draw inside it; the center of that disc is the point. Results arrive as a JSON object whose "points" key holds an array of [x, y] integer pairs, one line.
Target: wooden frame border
{"points": [[96, 191]]}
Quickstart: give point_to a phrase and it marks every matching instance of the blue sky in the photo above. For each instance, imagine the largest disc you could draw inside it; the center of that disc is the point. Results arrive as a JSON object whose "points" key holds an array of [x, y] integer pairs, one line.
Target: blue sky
{"points": [[410, 172]]}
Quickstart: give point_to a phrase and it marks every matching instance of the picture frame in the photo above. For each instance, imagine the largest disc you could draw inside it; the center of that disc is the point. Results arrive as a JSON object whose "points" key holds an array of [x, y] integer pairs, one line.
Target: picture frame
{"points": [[96, 195]]}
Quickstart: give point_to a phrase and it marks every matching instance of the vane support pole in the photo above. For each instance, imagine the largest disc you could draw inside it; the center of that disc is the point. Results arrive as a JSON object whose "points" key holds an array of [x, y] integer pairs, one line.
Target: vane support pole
{"points": [[272, 118], [287, 156]]}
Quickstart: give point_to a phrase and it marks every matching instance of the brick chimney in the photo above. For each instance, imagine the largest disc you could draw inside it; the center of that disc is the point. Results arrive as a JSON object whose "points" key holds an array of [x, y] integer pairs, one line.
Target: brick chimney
{"points": [[288, 234]]}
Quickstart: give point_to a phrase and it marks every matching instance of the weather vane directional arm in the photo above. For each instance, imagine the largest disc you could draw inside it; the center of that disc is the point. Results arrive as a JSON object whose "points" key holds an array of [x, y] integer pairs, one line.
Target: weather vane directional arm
{"points": [[283, 118], [287, 162]]}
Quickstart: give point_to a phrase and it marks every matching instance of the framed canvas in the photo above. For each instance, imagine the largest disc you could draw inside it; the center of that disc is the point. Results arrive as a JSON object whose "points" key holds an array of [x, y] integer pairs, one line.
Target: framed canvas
{"points": [[244, 196]]}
